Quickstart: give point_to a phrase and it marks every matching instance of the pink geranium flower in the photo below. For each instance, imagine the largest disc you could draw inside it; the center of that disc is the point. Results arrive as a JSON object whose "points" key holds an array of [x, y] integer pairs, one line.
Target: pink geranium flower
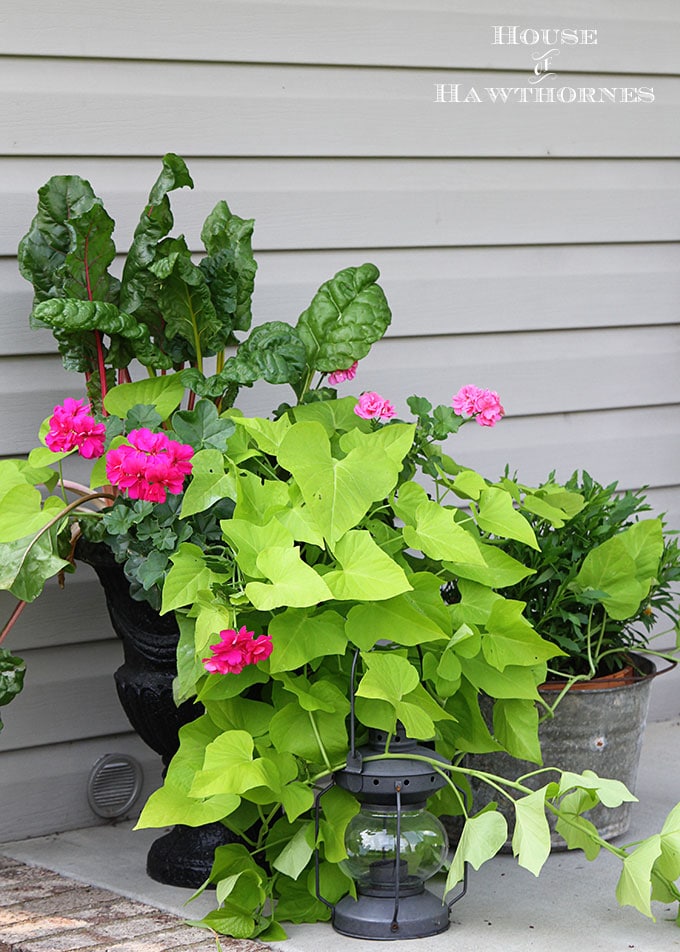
{"points": [[372, 406], [485, 405], [152, 466], [340, 376], [236, 649], [465, 400], [489, 408], [71, 427]]}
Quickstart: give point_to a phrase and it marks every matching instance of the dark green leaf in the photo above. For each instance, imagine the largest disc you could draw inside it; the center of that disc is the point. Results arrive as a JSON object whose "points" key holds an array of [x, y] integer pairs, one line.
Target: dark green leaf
{"points": [[202, 428], [347, 315], [274, 352]]}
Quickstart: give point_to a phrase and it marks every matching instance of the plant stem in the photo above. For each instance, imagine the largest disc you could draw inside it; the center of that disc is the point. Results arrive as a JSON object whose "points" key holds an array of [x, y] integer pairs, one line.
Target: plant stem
{"points": [[319, 742], [18, 608]]}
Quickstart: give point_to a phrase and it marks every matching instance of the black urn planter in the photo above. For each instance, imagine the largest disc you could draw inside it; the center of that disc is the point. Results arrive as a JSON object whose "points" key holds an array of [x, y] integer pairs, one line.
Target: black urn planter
{"points": [[184, 856]]}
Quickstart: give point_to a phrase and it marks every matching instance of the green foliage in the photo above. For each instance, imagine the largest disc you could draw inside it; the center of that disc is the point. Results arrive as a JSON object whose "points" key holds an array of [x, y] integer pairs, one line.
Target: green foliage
{"points": [[601, 580], [315, 530], [12, 672]]}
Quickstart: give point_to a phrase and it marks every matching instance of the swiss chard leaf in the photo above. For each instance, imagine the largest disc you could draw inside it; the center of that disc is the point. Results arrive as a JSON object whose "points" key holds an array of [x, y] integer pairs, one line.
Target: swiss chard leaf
{"points": [[346, 315], [229, 269]]}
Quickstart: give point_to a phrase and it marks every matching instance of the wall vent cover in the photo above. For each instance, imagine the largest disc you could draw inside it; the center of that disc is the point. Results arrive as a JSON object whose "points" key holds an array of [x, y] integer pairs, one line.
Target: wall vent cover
{"points": [[114, 785]]}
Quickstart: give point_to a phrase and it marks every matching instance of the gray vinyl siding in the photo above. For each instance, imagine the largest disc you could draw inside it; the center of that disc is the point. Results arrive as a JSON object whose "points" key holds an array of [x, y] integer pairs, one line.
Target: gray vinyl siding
{"points": [[530, 248]]}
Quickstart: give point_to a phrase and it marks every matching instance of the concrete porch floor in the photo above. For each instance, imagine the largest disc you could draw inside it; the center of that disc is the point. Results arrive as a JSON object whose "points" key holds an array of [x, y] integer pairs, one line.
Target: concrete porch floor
{"points": [[571, 906]]}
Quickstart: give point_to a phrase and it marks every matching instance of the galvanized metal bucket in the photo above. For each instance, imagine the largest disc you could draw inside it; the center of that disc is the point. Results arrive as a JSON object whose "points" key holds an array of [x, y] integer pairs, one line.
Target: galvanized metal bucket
{"points": [[600, 728]]}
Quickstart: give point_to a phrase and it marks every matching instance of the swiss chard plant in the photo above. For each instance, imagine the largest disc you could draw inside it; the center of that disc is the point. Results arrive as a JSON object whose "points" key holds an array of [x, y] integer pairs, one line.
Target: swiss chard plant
{"points": [[179, 323]]}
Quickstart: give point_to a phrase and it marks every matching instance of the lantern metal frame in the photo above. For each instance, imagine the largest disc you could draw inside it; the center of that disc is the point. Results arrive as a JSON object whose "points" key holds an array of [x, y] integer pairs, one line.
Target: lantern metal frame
{"points": [[393, 908]]}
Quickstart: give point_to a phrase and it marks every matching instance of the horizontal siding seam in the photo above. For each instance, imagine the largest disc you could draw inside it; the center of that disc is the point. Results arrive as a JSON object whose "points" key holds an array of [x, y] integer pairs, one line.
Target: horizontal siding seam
{"points": [[150, 59]]}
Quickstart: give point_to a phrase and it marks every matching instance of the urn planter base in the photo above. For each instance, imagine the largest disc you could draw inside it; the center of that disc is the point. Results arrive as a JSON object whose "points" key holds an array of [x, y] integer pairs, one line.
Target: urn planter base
{"points": [[184, 856]]}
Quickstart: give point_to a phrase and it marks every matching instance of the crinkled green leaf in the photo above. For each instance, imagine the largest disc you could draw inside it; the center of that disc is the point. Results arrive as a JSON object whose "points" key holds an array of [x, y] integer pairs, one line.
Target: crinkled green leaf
{"points": [[43, 251], [273, 352], [230, 267], [346, 315], [138, 284]]}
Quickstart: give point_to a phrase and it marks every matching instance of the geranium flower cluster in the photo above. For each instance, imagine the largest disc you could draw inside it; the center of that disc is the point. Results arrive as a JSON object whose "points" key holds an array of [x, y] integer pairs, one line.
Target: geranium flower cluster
{"points": [[340, 376], [372, 406], [236, 649], [150, 467], [485, 405], [71, 427]]}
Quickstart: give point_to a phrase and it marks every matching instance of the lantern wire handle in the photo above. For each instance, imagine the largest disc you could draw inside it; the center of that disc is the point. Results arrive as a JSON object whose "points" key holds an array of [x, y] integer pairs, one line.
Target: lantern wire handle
{"points": [[397, 872], [317, 875], [463, 890], [353, 759]]}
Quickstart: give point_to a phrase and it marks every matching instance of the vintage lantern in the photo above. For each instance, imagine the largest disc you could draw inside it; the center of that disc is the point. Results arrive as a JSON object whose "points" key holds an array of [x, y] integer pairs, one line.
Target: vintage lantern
{"points": [[393, 843]]}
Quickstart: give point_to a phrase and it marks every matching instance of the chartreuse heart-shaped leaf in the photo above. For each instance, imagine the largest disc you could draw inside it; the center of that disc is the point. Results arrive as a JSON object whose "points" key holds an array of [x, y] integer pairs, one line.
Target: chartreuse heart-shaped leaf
{"points": [[499, 570], [437, 534], [339, 492], [531, 837], [231, 767], [173, 799], [633, 887], [292, 582], [388, 677], [623, 568], [366, 572], [302, 635], [23, 513], [209, 483], [257, 500], [249, 540], [317, 736], [297, 852], [412, 618], [188, 576], [163, 393], [515, 725], [496, 514], [335, 416], [482, 837], [267, 434], [510, 639], [612, 793]]}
